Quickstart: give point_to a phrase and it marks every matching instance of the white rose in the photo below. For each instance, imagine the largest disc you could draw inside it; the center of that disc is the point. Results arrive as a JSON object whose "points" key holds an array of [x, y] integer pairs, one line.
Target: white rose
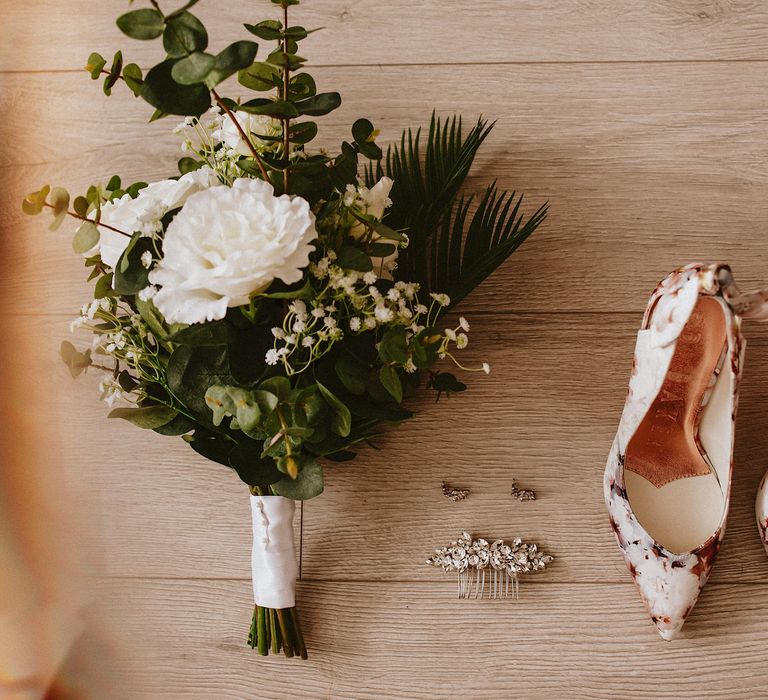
{"points": [[252, 124], [227, 244], [144, 212]]}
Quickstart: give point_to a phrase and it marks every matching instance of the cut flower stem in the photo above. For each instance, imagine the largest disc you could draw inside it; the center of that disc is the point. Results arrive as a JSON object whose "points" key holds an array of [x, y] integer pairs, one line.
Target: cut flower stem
{"points": [[273, 630]]}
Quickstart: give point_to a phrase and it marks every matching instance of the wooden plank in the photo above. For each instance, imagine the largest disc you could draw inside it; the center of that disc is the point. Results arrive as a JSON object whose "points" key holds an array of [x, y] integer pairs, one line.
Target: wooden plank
{"points": [[395, 640], [546, 416], [372, 33], [646, 168]]}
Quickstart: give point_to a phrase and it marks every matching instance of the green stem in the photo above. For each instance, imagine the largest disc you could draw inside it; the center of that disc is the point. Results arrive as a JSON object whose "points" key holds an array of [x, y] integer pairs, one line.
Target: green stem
{"points": [[285, 632], [302, 649], [75, 215], [253, 634], [261, 624], [274, 632], [286, 121], [243, 135]]}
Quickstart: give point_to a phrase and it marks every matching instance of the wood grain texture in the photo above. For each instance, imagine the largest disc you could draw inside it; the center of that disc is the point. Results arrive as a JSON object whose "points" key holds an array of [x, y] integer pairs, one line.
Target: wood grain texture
{"points": [[366, 32], [416, 641], [644, 124]]}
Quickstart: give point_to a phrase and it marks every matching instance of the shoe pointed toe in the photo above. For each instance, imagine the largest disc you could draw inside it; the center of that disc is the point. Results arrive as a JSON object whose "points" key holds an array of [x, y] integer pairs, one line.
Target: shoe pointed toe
{"points": [[668, 634], [669, 586]]}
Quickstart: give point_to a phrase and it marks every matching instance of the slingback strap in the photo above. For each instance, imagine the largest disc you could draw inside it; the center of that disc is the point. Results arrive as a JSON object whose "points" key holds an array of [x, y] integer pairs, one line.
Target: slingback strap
{"points": [[751, 305]]}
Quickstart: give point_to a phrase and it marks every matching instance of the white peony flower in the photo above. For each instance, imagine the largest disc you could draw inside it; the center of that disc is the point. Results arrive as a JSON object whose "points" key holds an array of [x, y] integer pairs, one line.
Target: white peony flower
{"points": [[228, 243], [254, 125], [144, 212]]}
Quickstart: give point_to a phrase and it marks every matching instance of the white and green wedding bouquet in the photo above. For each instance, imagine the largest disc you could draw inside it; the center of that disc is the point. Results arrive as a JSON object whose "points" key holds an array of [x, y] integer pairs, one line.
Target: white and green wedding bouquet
{"points": [[273, 304]]}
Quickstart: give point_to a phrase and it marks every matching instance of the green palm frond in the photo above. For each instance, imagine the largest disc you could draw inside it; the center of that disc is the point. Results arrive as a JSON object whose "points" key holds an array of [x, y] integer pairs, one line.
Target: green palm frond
{"points": [[425, 188], [466, 249], [450, 251]]}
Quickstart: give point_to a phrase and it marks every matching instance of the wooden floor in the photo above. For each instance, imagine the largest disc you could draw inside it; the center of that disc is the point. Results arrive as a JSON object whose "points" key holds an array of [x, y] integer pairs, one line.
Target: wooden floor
{"points": [[645, 124]]}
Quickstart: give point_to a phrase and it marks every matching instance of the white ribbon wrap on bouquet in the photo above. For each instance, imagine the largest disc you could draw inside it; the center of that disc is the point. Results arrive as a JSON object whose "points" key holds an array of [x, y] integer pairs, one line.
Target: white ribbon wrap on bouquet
{"points": [[273, 560]]}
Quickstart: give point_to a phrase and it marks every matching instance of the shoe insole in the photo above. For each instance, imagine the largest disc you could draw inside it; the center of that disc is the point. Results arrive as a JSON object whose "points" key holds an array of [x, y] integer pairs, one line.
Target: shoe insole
{"points": [[672, 488]]}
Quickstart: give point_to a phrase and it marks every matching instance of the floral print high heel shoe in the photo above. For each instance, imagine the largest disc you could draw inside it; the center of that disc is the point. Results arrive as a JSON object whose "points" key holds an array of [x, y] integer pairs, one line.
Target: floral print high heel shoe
{"points": [[668, 478]]}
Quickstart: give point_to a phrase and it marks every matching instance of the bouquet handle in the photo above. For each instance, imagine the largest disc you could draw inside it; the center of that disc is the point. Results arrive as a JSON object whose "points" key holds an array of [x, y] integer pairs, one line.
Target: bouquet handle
{"points": [[275, 623]]}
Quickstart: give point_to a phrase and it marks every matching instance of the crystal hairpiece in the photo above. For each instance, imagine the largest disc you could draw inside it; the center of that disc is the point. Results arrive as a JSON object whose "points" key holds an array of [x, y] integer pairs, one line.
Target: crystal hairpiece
{"points": [[470, 558]]}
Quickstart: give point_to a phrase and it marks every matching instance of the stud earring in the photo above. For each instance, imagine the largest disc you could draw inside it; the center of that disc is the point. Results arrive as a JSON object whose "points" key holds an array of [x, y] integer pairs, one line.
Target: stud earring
{"points": [[522, 494], [452, 494]]}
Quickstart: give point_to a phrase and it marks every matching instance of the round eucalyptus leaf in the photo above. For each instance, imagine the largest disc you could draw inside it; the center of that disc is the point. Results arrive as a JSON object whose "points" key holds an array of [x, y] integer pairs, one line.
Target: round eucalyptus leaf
{"points": [[259, 76], [141, 24], [184, 34], [235, 57], [165, 94], [193, 69], [320, 104], [301, 86], [86, 238], [303, 132], [307, 484]]}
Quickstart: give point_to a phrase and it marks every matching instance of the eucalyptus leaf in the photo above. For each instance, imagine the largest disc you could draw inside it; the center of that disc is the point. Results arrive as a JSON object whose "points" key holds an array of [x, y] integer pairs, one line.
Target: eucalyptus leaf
{"points": [[341, 418], [286, 60], [193, 69], [259, 76], [164, 93], [114, 73], [134, 78], [130, 274], [213, 333], [95, 65], [180, 425], [254, 470], [269, 30], [273, 108], [34, 202], [86, 238], [212, 447], [188, 165], [301, 86], [279, 386], [320, 104], [148, 311], [191, 371], [81, 206], [103, 288], [351, 374], [184, 34], [307, 484], [141, 24], [235, 57], [148, 417], [391, 382], [76, 361], [303, 132]]}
